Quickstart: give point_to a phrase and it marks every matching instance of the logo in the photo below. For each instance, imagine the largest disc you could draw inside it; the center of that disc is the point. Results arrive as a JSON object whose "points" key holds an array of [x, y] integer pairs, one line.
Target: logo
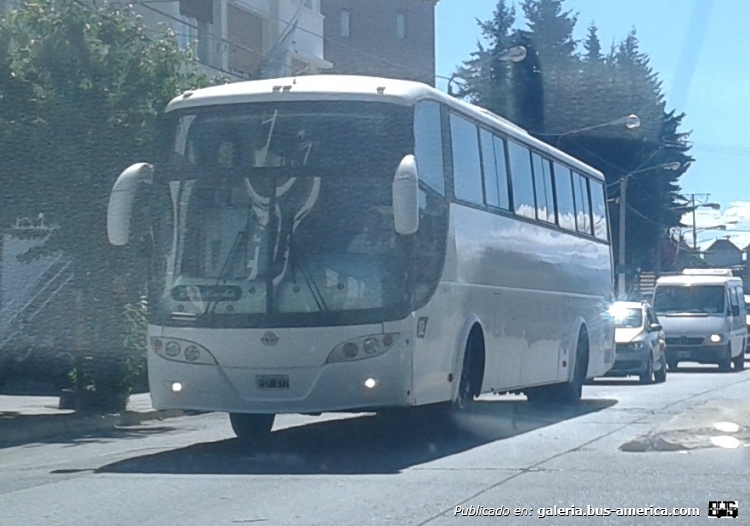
{"points": [[269, 338], [723, 509]]}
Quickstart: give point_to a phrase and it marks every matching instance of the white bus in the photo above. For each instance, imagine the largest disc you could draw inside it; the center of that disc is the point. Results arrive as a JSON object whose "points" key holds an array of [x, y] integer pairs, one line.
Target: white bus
{"points": [[333, 243]]}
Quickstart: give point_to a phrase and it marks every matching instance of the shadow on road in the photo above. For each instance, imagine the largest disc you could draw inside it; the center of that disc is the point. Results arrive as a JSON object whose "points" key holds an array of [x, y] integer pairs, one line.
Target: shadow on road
{"points": [[359, 445], [69, 429]]}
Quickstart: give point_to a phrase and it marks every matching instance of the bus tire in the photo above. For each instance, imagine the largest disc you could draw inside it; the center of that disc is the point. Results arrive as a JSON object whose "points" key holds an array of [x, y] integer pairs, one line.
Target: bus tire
{"points": [[472, 372], [251, 428], [568, 393]]}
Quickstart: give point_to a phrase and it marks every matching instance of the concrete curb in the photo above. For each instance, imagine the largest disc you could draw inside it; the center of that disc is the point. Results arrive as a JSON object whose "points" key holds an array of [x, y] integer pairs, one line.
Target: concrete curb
{"points": [[26, 429]]}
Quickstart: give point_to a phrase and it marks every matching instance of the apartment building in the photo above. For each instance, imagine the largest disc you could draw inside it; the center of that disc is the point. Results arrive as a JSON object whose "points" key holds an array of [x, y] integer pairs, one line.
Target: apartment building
{"points": [[386, 38], [246, 39]]}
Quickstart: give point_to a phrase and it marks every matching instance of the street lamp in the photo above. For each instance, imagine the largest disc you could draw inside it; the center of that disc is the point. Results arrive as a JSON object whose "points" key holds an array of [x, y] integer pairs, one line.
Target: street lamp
{"points": [[514, 54], [631, 122], [674, 166]]}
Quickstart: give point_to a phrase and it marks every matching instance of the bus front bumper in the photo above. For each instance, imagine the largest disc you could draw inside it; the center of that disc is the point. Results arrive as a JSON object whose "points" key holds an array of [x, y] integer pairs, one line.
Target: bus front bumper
{"points": [[382, 381]]}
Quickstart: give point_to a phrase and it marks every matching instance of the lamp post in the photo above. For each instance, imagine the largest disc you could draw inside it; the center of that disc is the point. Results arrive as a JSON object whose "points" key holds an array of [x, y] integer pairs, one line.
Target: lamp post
{"points": [[514, 54], [621, 292]]}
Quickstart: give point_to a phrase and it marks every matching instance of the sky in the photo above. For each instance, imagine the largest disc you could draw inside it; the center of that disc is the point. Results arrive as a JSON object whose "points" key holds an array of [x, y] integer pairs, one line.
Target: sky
{"points": [[699, 49]]}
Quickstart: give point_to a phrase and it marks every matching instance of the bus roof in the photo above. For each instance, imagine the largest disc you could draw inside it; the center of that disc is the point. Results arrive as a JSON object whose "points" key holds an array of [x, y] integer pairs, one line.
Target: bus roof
{"points": [[374, 89]]}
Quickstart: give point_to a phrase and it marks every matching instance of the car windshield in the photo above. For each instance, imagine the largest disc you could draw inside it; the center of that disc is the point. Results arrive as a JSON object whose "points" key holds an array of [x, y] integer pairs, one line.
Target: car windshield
{"points": [[629, 318], [706, 299]]}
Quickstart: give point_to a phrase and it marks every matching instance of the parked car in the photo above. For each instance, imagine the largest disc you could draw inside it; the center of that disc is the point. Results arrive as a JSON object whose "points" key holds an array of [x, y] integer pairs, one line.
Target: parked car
{"points": [[640, 343]]}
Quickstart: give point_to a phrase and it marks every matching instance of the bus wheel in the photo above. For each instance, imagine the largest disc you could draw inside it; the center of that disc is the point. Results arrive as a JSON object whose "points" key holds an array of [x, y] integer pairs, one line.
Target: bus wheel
{"points": [[472, 372], [568, 393], [251, 428], [571, 392]]}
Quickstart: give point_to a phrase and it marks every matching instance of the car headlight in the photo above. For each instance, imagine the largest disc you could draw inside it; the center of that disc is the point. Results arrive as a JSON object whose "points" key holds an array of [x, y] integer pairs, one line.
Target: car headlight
{"points": [[716, 338], [178, 350], [637, 346], [362, 348]]}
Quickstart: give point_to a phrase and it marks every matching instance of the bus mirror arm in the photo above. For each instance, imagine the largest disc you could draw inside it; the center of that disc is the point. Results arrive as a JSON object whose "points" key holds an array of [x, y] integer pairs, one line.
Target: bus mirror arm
{"points": [[121, 200], [405, 190]]}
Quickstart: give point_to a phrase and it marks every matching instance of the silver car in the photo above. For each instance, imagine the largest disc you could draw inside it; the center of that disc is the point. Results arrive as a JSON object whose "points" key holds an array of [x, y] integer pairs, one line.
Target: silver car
{"points": [[640, 343]]}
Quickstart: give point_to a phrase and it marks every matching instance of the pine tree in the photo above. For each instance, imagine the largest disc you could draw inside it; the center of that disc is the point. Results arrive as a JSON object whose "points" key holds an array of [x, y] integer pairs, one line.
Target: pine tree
{"points": [[486, 79]]}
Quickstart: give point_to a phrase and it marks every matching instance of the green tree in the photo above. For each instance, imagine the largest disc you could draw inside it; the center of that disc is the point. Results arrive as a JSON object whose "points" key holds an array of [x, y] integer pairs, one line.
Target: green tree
{"points": [[80, 91], [559, 89], [486, 80]]}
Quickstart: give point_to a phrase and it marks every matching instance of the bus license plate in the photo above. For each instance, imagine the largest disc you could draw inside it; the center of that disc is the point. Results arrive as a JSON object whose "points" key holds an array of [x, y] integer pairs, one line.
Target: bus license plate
{"points": [[272, 381]]}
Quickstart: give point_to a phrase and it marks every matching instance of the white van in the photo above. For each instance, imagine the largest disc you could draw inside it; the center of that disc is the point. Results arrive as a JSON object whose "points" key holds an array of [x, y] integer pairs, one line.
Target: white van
{"points": [[703, 314]]}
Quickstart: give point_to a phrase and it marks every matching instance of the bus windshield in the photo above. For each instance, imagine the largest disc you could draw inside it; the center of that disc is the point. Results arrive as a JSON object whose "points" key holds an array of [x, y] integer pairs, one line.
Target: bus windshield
{"points": [[280, 214], [700, 299]]}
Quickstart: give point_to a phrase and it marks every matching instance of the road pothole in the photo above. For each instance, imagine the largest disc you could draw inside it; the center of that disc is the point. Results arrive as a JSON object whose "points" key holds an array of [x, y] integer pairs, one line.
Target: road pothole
{"points": [[723, 423]]}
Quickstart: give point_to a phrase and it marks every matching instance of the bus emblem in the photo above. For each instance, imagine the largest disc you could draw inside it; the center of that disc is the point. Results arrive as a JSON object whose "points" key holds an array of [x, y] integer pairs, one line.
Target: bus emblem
{"points": [[269, 338]]}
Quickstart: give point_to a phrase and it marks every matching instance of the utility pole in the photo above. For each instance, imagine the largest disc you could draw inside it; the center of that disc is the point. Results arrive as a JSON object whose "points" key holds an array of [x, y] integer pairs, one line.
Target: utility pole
{"points": [[621, 251], [695, 230]]}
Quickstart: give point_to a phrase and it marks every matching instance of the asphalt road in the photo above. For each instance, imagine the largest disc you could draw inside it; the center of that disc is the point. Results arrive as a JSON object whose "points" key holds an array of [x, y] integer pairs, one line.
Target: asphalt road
{"points": [[341, 470]]}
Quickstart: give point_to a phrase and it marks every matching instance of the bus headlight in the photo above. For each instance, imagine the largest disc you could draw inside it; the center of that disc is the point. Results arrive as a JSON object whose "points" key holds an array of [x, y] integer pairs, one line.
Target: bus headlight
{"points": [[362, 348], [178, 350], [716, 338]]}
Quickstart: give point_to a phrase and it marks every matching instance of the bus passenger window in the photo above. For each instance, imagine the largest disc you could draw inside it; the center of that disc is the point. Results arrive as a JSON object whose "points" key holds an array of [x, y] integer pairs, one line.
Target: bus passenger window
{"points": [[489, 165], [545, 202], [467, 180], [502, 174], [583, 205], [523, 185], [566, 211], [599, 210]]}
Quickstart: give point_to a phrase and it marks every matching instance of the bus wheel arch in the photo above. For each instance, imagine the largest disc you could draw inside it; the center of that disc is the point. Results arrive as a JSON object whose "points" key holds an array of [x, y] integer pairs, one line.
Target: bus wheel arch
{"points": [[470, 361]]}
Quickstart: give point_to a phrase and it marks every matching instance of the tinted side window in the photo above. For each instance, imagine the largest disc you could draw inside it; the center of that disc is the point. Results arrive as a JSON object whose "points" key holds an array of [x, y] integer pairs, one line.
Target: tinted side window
{"points": [[428, 148], [599, 210], [523, 185], [502, 174], [566, 211], [467, 173], [583, 207], [545, 202], [489, 165]]}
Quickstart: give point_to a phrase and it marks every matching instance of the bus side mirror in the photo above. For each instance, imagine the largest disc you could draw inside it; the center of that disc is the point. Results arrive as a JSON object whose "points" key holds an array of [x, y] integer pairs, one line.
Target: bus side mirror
{"points": [[121, 200], [405, 190]]}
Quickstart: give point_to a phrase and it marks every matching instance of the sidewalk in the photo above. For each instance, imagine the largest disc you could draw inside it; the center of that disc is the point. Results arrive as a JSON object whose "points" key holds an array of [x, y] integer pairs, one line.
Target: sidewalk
{"points": [[25, 419]]}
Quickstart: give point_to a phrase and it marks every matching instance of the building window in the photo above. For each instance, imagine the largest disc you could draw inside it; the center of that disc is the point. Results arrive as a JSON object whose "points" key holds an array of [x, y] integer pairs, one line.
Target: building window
{"points": [[401, 25], [345, 29]]}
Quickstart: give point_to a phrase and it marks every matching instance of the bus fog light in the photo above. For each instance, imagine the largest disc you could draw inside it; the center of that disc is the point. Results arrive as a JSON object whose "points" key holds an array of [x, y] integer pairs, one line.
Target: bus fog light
{"points": [[157, 344], [371, 345], [176, 387], [371, 383], [172, 349], [715, 338], [192, 353]]}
